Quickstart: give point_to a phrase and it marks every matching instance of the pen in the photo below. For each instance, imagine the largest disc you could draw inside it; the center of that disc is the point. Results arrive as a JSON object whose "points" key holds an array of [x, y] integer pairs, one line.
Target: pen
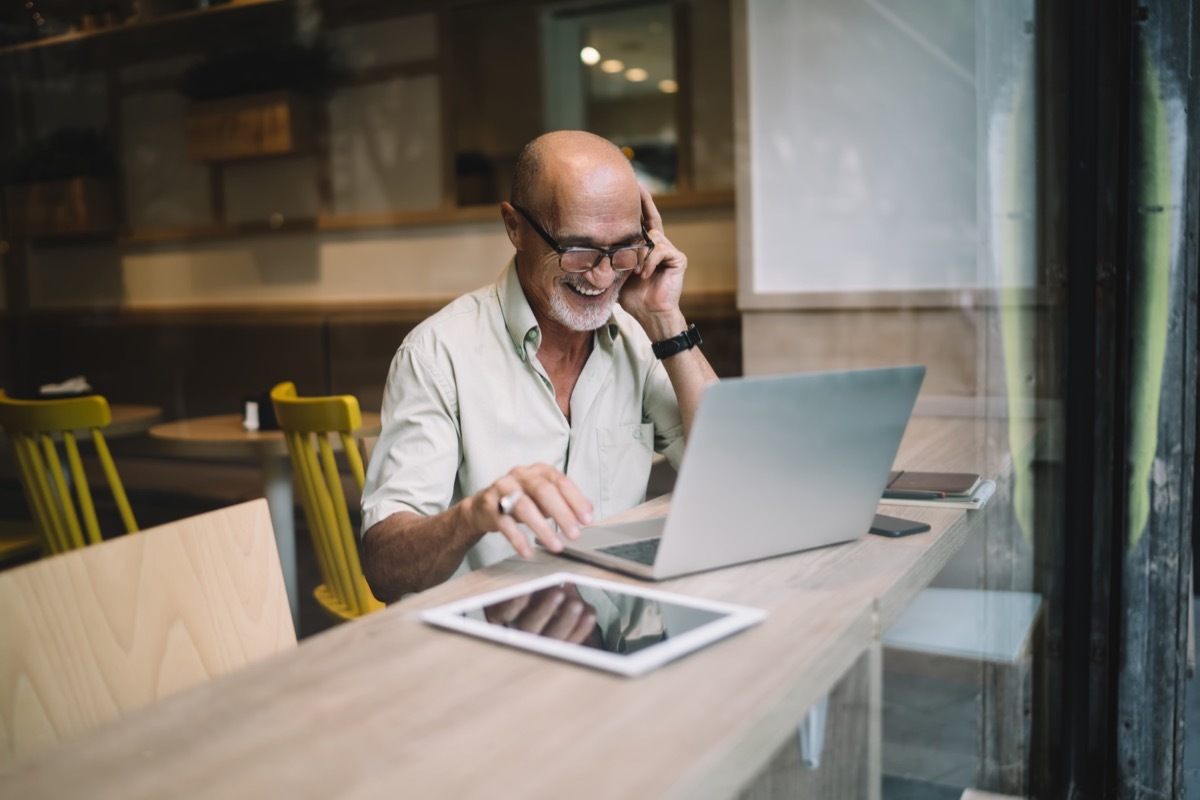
{"points": [[900, 494]]}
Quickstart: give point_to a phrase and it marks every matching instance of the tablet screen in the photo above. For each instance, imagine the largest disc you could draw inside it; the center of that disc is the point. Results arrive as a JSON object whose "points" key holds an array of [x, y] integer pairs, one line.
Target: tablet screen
{"points": [[624, 628], [606, 619]]}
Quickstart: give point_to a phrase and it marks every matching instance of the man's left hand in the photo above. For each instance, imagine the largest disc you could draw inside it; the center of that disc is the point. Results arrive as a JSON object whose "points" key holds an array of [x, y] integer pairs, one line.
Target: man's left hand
{"points": [[651, 293]]}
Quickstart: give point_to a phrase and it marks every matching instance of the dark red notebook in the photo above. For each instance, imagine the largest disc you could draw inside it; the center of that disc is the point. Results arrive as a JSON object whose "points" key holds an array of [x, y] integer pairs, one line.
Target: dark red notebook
{"points": [[943, 484]]}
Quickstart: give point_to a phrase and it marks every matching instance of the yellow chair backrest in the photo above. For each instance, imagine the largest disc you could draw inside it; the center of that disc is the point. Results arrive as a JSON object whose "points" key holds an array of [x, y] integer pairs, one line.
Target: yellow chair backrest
{"points": [[311, 425], [91, 635], [32, 428]]}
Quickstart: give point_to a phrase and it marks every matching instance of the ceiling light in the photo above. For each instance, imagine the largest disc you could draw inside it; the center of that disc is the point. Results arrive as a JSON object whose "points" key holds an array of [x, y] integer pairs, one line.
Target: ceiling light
{"points": [[612, 66], [668, 86], [589, 56], [636, 74]]}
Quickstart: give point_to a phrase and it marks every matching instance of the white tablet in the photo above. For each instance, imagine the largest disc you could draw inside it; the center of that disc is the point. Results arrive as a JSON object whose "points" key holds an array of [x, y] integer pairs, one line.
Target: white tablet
{"points": [[611, 626]]}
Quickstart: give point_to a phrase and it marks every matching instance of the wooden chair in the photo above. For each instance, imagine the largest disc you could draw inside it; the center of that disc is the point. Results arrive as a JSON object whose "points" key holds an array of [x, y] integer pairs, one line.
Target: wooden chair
{"points": [[33, 428], [90, 635], [311, 425]]}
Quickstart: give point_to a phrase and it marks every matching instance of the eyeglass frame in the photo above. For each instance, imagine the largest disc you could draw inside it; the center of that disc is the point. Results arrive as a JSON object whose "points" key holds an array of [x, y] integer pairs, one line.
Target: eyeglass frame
{"points": [[600, 252]]}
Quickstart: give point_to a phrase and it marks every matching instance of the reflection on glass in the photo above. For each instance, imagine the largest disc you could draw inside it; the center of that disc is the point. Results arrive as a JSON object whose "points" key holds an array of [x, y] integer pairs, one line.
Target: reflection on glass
{"points": [[627, 93], [602, 619], [521, 70]]}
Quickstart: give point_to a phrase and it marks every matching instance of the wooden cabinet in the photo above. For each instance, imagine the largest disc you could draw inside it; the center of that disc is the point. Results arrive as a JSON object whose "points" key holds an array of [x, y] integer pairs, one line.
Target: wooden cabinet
{"points": [[253, 126], [71, 207]]}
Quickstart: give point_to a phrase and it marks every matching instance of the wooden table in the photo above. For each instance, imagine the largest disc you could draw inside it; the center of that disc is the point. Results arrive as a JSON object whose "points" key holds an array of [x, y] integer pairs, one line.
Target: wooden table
{"points": [[223, 437], [131, 419], [128, 420], [386, 706]]}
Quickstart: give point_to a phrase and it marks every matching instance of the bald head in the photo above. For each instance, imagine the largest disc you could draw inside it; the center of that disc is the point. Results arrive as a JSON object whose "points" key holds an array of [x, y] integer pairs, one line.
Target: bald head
{"points": [[555, 165]]}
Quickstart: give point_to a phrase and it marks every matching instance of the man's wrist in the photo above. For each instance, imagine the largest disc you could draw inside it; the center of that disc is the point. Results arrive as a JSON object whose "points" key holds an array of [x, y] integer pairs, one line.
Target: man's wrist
{"points": [[664, 326], [665, 348]]}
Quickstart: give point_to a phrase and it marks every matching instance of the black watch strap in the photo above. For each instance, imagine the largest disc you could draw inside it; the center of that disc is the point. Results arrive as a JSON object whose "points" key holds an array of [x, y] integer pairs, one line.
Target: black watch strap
{"points": [[677, 344]]}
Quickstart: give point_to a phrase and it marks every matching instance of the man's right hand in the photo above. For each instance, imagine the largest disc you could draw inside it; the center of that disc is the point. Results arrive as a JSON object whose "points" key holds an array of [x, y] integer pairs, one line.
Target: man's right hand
{"points": [[535, 495]]}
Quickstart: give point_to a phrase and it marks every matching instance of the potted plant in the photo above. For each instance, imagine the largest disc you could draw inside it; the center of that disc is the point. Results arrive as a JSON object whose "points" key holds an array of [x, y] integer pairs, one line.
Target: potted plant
{"points": [[61, 185], [249, 102]]}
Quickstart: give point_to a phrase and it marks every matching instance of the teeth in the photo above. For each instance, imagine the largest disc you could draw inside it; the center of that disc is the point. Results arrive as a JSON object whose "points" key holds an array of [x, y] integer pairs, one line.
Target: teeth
{"points": [[588, 291]]}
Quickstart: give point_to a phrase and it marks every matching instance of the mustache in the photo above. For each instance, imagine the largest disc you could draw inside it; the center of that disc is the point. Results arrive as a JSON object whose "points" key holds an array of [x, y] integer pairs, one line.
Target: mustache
{"points": [[576, 280]]}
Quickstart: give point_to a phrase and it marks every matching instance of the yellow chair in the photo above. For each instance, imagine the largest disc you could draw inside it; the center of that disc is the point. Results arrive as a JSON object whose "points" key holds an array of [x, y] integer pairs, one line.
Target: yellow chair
{"points": [[32, 427], [89, 636], [310, 424]]}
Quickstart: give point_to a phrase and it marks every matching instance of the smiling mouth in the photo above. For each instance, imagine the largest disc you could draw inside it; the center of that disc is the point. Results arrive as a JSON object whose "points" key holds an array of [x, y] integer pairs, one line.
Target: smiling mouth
{"points": [[582, 288], [586, 290]]}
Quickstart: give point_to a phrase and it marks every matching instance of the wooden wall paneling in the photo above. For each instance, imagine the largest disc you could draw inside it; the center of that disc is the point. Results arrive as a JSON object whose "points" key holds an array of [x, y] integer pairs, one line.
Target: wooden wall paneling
{"points": [[189, 364], [942, 339]]}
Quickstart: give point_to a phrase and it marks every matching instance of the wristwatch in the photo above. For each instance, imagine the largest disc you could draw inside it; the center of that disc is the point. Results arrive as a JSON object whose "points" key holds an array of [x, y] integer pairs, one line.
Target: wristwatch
{"points": [[677, 344]]}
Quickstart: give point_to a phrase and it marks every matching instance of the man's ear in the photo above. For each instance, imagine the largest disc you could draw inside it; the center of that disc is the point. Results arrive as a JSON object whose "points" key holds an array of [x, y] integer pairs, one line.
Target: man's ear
{"points": [[512, 224]]}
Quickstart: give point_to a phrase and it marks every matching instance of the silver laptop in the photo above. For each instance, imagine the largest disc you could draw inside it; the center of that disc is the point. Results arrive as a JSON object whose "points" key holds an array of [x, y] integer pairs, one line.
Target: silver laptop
{"points": [[773, 465]]}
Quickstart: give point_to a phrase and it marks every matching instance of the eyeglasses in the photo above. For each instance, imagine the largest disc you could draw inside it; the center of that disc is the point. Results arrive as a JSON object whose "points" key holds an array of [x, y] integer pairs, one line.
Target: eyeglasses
{"points": [[582, 259]]}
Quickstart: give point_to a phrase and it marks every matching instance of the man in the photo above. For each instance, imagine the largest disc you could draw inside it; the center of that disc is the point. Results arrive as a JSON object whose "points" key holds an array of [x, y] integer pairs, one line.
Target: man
{"points": [[537, 401]]}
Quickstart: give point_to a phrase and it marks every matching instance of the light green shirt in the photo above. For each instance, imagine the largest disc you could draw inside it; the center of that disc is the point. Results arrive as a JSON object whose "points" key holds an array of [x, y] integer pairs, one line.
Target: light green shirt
{"points": [[467, 400]]}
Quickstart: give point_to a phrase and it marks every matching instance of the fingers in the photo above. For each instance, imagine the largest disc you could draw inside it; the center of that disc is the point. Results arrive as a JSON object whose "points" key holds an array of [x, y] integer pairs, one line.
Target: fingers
{"points": [[650, 215], [664, 253], [555, 614], [536, 497], [542, 608], [505, 612]]}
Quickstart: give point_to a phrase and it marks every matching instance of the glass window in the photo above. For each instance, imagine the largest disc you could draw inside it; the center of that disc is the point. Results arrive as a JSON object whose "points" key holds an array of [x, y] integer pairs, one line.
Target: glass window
{"points": [[612, 72], [621, 70]]}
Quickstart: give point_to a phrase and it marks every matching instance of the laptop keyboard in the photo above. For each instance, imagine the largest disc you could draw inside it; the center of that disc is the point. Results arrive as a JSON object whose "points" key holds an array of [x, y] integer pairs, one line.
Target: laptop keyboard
{"points": [[642, 551]]}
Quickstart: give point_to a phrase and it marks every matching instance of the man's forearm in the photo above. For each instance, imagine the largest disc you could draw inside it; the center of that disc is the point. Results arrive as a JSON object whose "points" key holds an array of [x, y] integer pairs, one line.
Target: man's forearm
{"points": [[688, 370], [408, 553]]}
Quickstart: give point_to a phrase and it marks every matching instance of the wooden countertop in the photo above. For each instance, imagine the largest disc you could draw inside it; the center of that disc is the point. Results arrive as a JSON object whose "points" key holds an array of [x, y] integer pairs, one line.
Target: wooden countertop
{"points": [[386, 706]]}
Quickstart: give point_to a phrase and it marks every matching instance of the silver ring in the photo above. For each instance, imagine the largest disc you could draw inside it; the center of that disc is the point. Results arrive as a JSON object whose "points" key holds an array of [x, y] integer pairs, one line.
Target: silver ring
{"points": [[509, 502]]}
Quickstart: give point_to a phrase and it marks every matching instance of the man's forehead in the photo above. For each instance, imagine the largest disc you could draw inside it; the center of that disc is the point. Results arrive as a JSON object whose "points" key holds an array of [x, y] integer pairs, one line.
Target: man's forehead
{"points": [[564, 191]]}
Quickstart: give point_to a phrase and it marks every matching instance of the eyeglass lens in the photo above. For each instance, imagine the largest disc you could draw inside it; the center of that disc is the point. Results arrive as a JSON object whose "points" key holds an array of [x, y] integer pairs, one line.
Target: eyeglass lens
{"points": [[582, 259]]}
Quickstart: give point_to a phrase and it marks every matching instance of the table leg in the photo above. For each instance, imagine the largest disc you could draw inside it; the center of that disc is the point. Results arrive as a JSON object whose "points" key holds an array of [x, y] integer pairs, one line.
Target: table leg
{"points": [[277, 488]]}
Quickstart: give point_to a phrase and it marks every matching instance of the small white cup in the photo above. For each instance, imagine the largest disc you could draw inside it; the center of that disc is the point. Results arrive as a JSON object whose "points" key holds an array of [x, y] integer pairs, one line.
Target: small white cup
{"points": [[250, 416]]}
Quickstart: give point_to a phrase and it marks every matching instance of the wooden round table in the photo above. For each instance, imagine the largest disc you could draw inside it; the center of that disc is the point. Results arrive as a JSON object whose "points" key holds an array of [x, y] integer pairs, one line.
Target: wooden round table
{"points": [[221, 437], [130, 419]]}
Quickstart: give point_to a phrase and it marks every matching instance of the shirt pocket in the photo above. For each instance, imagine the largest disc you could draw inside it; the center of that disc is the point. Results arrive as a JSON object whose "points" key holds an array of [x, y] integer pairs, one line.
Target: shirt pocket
{"points": [[626, 454]]}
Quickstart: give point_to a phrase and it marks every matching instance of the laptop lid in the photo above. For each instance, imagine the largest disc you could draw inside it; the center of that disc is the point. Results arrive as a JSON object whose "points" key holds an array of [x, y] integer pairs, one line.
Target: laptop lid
{"points": [[779, 464]]}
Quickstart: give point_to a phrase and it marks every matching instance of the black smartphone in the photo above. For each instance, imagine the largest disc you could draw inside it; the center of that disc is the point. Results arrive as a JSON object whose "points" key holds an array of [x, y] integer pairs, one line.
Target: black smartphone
{"points": [[884, 525]]}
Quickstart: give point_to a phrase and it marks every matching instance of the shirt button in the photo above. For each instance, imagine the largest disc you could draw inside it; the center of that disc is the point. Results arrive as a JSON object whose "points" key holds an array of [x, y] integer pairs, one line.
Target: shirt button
{"points": [[637, 433]]}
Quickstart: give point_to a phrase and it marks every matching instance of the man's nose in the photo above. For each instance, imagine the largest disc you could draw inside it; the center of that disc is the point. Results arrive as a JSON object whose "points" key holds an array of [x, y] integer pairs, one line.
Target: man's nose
{"points": [[604, 273]]}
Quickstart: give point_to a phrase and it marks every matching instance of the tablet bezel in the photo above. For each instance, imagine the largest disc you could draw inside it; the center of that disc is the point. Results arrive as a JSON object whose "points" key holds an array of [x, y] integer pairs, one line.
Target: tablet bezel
{"points": [[736, 618]]}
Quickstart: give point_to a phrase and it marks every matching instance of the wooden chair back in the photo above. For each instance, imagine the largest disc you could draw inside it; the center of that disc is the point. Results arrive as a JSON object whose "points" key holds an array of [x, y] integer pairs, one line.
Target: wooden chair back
{"points": [[93, 634], [58, 493], [312, 426]]}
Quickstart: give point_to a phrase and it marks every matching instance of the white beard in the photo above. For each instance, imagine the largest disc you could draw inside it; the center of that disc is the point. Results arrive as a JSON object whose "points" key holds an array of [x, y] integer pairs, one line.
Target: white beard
{"points": [[588, 319]]}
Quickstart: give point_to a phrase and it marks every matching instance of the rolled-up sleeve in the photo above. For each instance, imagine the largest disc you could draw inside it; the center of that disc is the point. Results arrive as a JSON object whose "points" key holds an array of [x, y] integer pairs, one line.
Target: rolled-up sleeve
{"points": [[414, 464], [662, 408]]}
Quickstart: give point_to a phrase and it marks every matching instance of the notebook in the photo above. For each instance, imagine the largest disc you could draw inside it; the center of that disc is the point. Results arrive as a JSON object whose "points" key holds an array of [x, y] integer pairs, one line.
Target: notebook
{"points": [[773, 465]]}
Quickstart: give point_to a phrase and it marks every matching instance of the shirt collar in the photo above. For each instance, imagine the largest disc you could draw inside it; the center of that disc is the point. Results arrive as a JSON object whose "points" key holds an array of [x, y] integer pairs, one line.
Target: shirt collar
{"points": [[519, 319]]}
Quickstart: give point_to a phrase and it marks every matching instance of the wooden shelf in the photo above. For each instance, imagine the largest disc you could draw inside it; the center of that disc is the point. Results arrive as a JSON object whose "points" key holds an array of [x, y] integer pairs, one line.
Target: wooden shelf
{"points": [[200, 24], [333, 223]]}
